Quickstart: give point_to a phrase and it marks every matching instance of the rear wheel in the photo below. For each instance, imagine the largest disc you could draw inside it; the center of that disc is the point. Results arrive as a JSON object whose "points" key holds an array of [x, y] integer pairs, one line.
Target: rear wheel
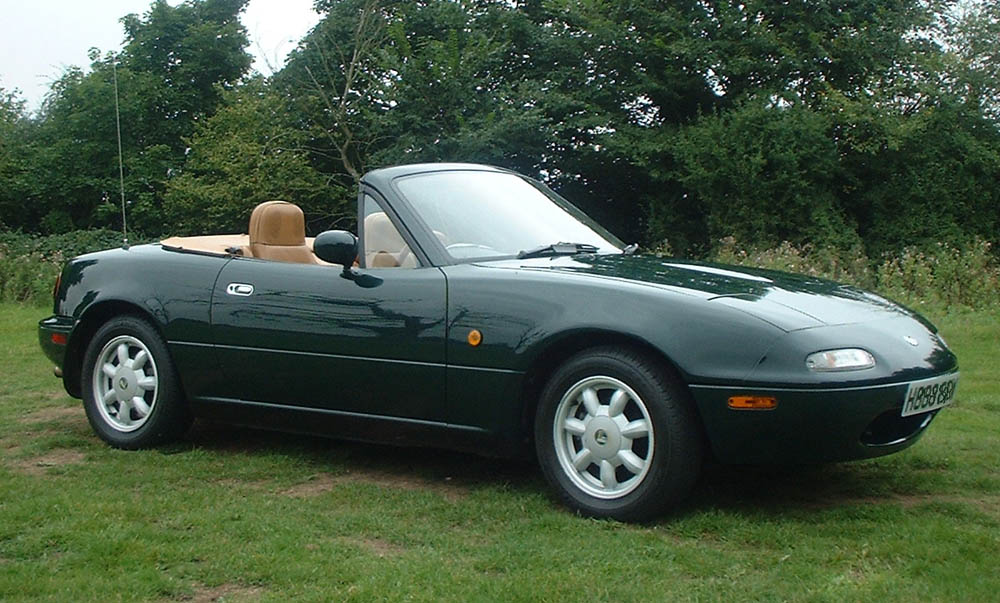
{"points": [[617, 436], [130, 388]]}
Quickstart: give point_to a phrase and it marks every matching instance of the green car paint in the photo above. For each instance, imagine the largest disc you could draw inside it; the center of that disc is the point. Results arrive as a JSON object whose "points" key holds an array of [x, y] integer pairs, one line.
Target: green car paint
{"points": [[384, 355]]}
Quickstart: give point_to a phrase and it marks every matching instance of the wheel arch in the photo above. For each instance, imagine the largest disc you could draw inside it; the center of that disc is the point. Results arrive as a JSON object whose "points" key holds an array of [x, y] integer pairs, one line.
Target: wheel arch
{"points": [[548, 359], [91, 320]]}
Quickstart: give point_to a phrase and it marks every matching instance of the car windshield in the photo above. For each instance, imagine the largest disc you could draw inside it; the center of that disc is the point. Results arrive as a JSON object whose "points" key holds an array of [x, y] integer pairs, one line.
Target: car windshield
{"points": [[478, 214]]}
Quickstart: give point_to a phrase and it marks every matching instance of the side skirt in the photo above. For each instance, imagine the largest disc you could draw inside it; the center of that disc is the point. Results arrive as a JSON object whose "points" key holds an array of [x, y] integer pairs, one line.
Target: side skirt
{"points": [[360, 427]]}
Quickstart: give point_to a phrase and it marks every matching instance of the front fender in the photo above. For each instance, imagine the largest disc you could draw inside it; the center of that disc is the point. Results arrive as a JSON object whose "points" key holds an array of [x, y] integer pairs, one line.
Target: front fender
{"points": [[171, 289]]}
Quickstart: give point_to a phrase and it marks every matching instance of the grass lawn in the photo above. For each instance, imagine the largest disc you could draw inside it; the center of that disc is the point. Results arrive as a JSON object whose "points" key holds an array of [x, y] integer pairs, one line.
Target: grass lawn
{"points": [[235, 514]]}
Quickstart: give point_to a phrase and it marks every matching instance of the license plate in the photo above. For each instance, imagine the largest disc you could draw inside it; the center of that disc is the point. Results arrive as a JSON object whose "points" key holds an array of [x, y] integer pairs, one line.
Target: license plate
{"points": [[930, 394]]}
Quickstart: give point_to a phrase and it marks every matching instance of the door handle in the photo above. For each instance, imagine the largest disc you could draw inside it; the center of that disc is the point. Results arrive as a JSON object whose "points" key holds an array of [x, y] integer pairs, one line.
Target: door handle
{"points": [[240, 289]]}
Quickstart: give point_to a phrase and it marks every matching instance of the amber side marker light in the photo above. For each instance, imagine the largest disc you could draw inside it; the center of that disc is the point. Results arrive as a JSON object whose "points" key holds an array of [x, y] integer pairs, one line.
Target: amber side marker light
{"points": [[753, 403], [58, 339], [475, 337]]}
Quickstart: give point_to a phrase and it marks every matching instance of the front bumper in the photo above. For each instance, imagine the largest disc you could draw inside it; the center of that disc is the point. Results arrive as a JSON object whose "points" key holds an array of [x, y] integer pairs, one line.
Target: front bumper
{"points": [[809, 425]]}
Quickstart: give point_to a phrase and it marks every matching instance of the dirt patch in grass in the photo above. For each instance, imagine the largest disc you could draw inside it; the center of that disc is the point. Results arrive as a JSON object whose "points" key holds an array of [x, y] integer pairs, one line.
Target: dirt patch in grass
{"points": [[225, 592], [52, 413], [39, 465], [233, 483], [987, 504], [325, 482], [314, 486], [231, 439], [377, 546], [404, 481]]}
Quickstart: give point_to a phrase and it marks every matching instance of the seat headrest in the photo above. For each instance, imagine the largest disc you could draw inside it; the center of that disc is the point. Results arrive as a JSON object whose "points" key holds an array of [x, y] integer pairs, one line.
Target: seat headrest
{"points": [[277, 223], [381, 235]]}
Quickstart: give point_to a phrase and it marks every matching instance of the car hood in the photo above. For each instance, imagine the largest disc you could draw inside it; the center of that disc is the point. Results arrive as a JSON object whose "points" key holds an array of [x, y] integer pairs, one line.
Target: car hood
{"points": [[789, 301]]}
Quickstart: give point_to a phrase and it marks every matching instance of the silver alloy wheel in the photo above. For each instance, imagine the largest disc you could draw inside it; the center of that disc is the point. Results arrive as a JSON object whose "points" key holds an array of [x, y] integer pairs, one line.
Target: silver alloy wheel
{"points": [[603, 437], [125, 383]]}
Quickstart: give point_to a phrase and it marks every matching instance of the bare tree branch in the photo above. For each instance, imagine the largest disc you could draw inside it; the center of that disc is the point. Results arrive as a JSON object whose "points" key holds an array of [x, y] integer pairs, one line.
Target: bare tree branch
{"points": [[340, 85]]}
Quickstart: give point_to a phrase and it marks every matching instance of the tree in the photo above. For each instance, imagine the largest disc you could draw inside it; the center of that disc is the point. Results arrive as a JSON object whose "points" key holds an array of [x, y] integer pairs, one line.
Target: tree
{"points": [[763, 174], [193, 51], [167, 73], [870, 74], [972, 32], [243, 155], [333, 81], [15, 156]]}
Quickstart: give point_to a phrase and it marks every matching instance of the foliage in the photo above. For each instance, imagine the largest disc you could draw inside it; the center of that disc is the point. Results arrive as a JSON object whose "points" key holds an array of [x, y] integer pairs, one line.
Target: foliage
{"points": [[763, 175], [29, 264], [871, 123], [384, 83], [194, 51], [15, 137], [27, 278], [941, 278], [919, 179], [243, 155], [972, 29], [334, 82], [170, 73], [849, 266]]}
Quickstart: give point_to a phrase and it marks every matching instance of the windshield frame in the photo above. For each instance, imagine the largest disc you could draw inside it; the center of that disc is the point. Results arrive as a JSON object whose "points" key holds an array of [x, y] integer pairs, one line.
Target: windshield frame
{"points": [[439, 248]]}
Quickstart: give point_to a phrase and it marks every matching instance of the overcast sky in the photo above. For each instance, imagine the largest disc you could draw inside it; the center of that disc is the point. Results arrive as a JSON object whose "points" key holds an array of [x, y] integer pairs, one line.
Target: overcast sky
{"points": [[39, 39]]}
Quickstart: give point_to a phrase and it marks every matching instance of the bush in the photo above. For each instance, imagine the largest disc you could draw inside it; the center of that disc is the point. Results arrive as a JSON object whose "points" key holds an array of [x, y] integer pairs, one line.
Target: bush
{"points": [[941, 277], [27, 278], [847, 266], [760, 173], [243, 155], [29, 264]]}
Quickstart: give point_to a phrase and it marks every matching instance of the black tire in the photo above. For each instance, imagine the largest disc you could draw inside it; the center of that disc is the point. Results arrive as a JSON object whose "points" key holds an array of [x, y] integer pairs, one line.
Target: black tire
{"points": [[146, 406], [646, 475]]}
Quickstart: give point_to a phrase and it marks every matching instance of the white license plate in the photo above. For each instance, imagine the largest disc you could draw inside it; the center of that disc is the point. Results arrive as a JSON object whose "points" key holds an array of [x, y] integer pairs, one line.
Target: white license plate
{"points": [[930, 394]]}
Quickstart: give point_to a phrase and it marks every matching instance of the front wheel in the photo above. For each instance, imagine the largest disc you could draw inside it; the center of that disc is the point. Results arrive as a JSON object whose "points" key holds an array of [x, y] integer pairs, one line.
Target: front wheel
{"points": [[617, 436], [130, 388]]}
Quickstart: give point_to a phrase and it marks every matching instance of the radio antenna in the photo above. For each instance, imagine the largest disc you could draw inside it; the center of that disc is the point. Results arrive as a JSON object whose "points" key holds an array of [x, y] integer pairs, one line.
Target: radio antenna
{"points": [[121, 168]]}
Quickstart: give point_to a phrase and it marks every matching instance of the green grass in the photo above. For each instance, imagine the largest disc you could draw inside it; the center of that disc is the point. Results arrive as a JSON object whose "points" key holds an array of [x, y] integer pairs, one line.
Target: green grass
{"points": [[236, 514]]}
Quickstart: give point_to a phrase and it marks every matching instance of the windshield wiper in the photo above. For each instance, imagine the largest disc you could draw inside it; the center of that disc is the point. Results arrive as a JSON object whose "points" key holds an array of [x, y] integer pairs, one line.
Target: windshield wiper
{"points": [[557, 249]]}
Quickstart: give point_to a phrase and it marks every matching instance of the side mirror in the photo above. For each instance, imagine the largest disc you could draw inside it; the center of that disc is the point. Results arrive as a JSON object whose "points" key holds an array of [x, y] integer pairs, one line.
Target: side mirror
{"points": [[336, 247]]}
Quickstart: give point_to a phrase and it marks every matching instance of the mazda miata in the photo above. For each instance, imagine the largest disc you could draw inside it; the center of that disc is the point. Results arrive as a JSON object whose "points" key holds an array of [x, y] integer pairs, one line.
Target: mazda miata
{"points": [[477, 310]]}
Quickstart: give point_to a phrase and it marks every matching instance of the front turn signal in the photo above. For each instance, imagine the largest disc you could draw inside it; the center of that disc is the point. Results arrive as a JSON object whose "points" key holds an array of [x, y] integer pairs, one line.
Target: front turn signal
{"points": [[753, 403]]}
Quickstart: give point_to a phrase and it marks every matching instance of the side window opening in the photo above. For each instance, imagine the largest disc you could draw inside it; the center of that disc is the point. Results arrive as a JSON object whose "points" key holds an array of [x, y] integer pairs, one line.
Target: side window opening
{"points": [[384, 247]]}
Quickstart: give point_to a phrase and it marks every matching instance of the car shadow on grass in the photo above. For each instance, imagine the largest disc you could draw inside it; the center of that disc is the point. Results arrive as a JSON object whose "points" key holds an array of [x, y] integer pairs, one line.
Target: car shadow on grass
{"points": [[798, 489], [746, 489], [383, 463]]}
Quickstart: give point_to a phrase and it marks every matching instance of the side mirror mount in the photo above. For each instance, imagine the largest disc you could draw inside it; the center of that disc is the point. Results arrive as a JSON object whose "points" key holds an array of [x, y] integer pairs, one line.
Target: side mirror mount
{"points": [[336, 247]]}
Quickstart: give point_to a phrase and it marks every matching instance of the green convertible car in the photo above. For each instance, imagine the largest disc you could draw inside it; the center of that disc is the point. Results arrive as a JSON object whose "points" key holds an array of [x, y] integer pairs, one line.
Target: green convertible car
{"points": [[477, 310]]}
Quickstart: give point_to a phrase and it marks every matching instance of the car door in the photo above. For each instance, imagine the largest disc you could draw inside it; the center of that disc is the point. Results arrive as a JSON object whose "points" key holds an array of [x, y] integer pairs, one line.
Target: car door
{"points": [[309, 335]]}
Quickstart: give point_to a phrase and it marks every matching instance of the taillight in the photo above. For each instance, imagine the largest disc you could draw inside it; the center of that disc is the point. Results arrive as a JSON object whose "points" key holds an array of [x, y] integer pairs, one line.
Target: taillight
{"points": [[55, 289]]}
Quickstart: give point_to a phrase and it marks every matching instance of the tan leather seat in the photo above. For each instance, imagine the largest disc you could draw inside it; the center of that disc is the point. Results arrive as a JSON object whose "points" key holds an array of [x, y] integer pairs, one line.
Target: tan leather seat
{"points": [[384, 247], [278, 232]]}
